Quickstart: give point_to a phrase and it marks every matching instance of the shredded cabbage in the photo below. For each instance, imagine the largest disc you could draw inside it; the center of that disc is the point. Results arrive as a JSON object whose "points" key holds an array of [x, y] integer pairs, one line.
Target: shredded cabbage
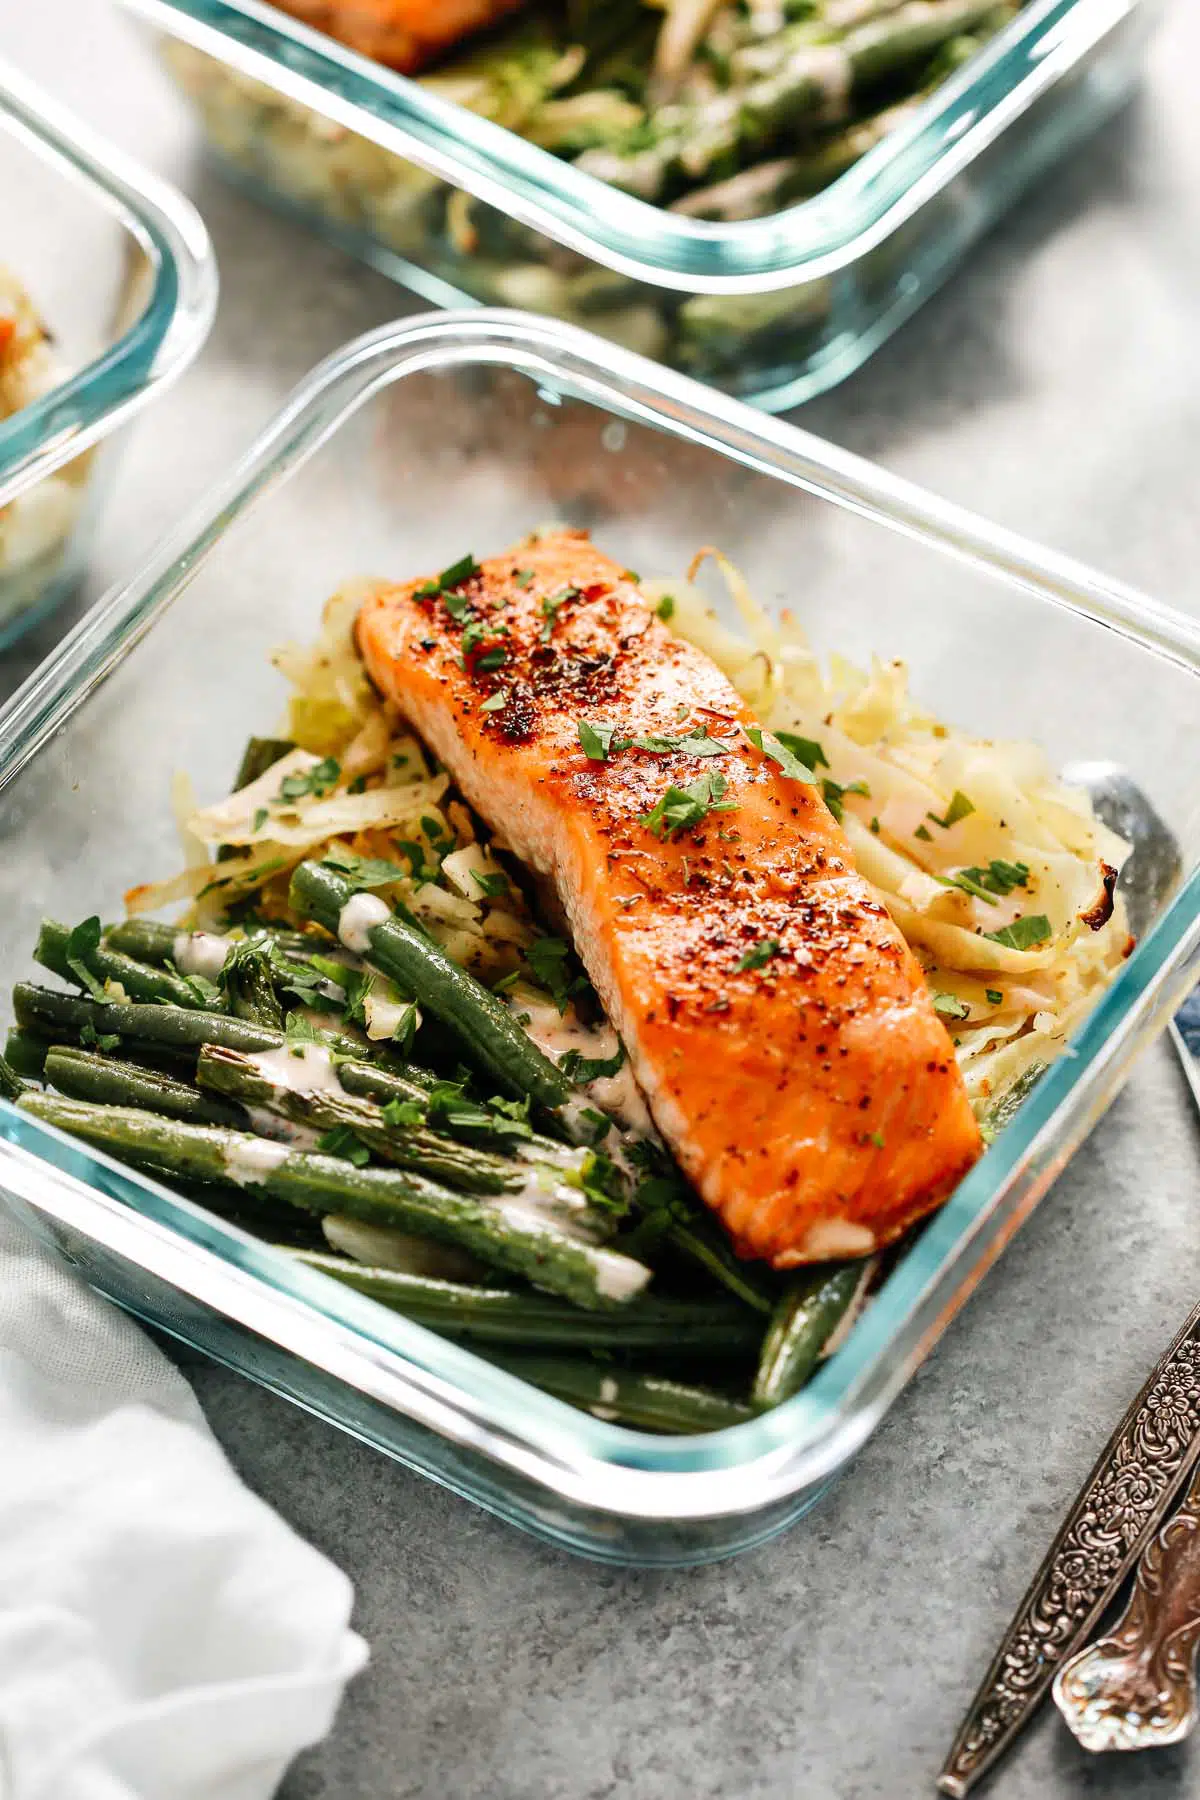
{"points": [[961, 838], [358, 781]]}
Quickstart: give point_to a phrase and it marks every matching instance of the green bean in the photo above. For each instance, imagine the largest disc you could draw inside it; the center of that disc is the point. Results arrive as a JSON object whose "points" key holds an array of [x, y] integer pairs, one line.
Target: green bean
{"points": [[682, 1328], [82, 1075], [508, 1235], [646, 1402], [803, 1322], [11, 1084], [141, 981], [65, 1017], [408, 1146], [248, 982], [400, 949], [25, 1054]]}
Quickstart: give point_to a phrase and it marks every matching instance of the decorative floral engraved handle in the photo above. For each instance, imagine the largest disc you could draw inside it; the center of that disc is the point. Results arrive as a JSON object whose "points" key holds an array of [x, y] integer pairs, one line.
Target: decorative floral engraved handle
{"points": [[1145, 1463], [1136, 1687]]}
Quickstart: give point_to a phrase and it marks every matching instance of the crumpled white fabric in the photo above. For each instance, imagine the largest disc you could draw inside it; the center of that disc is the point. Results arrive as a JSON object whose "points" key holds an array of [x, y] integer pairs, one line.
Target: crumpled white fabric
{"points": [[163, 1634]]}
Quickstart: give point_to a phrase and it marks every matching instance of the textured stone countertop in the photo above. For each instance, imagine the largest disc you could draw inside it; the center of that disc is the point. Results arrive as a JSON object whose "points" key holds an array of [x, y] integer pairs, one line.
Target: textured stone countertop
{"points": [[1054, 385]]}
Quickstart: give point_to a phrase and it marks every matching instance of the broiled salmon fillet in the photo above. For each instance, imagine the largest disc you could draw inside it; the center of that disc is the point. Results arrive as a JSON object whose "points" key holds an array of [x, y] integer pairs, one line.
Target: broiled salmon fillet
{"points": [[404, 34], [774, 1017]]}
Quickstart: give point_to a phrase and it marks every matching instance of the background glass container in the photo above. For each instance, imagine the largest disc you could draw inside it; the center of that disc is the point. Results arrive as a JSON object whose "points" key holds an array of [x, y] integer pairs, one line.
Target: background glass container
{"points": [[127, 285], [773, 309], [409, 446]]}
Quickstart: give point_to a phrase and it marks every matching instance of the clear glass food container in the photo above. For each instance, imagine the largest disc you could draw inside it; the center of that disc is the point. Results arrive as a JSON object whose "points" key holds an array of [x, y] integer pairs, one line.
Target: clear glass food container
{"points": [[411, 445], [126, 285], [773, 309]]}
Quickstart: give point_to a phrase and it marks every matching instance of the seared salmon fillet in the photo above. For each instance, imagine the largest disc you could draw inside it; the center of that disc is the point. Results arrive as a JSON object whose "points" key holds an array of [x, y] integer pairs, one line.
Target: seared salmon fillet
{"points": [[404, 34], [774, 1017]]}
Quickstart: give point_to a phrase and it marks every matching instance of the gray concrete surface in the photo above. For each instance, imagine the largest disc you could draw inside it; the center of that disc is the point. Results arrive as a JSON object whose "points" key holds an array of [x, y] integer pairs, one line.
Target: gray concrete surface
{"points": [[1054, 385]]}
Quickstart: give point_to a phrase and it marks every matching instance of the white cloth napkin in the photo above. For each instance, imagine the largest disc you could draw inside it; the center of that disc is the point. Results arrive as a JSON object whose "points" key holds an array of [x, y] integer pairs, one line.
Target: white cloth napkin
{"points": [[163, 1634]]}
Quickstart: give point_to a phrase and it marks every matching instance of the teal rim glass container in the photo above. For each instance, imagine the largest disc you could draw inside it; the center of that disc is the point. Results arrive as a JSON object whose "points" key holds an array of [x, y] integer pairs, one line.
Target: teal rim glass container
{"points": [[451, 431], [774, 309], [121, 271]]}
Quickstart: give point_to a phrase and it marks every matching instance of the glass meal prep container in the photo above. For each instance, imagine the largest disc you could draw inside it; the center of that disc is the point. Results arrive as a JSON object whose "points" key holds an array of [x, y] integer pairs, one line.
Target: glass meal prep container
{"points": [[395, 453], [125, 286], [773, 309]]}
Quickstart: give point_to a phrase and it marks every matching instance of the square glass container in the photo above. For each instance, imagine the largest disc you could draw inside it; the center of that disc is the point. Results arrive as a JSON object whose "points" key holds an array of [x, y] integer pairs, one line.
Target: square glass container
{"points": [[773, 309], [467, 430], [120, 269]]}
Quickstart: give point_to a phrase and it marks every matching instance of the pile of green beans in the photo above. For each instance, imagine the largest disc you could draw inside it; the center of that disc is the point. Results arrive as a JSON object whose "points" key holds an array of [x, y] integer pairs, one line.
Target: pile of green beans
{"points": [[533, 1232]]}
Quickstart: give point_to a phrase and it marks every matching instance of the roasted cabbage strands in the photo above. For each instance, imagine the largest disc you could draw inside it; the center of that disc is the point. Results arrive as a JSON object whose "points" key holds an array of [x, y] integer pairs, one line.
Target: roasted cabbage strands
{"points": [[356, 779], [922, 805]]}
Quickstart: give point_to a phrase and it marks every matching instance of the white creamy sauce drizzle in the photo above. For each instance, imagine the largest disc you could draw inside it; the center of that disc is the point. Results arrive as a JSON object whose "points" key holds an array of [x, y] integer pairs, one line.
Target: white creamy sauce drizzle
{"points": [[358, 919], [251, 1161], [617, 1095], [300, 1068], [200, 953], [618, 1277]]}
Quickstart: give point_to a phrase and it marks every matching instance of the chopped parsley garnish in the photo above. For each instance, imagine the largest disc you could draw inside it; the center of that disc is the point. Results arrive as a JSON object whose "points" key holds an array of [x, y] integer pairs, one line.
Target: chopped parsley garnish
{"points": [[343, 1142], [321, 779], [805, 750], [832, 793], [1024, 933], [760, 954], [874, 827], [774, 747], [82, 944], [951, 1007], [474, 633], [925, 835], [260, 819], [523, 577], [421, 871], [551, 606], [89, 1036], [404, 1113], [299, 1030], [965, 880], [456, 604], [878, 1139], [491, 660], [1000, 877], [458, 572], [548, 958], [993, 996], [494, 882], [514, 1116], [694, 743], [597, 740], [960, 807], [577, 1067], [363, 871], [666, 608], [496, 702], [682, 809]]}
